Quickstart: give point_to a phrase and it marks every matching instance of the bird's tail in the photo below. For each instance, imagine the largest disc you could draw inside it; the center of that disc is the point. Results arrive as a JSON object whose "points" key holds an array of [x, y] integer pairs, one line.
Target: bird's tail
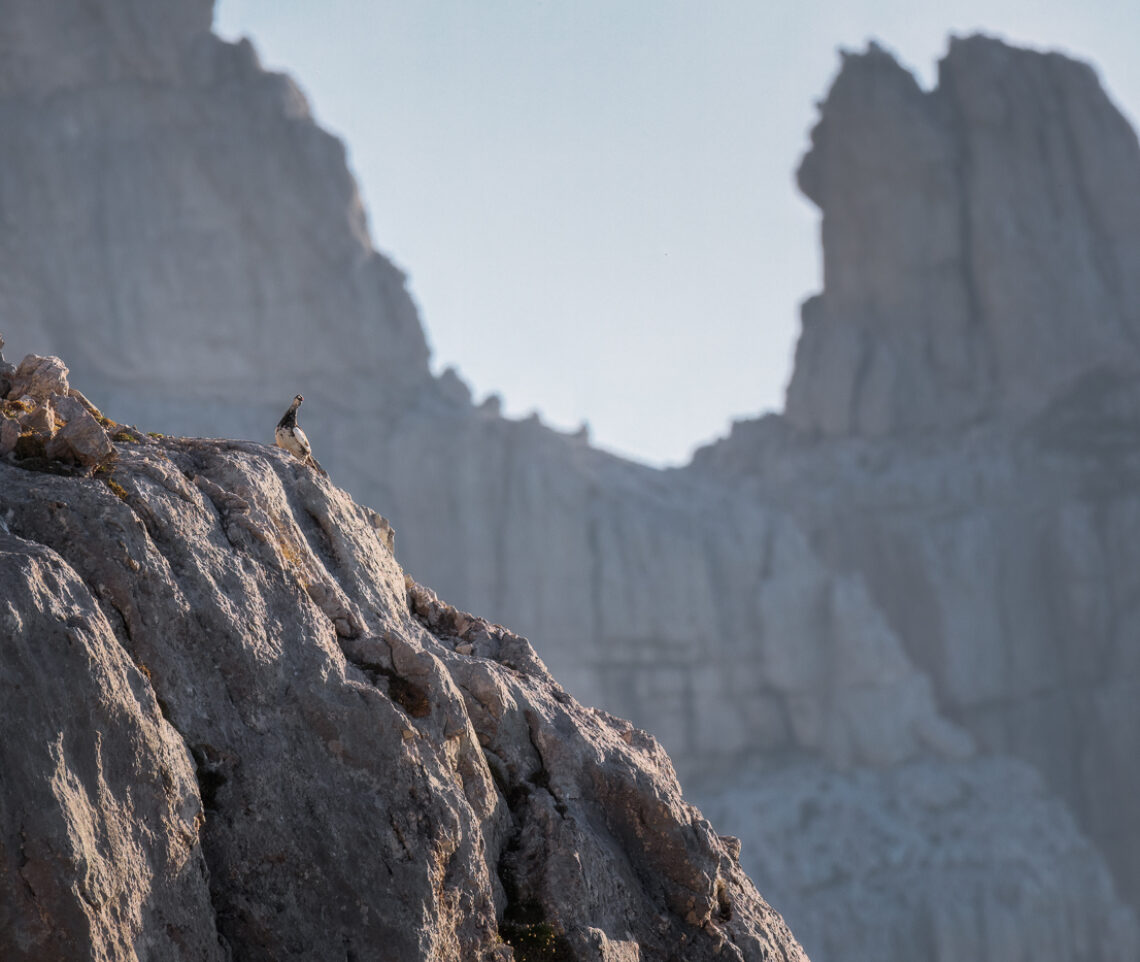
{"points": [[316, 464]]}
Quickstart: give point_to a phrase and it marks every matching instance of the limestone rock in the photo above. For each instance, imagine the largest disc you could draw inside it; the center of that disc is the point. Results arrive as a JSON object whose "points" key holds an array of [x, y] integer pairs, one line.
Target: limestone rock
{"points": [[41, 421], [130, 40], [9, 435], [39, 377], [592, 945], [101, 819], [710, 621], [999, 550], [207, 765], [6, 372], [200, 262], [38, 416], [81, 440]]}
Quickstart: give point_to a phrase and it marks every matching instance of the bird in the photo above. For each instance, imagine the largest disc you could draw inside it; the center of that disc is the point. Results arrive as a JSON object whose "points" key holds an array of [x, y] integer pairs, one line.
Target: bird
{"points": [[290, 436]]}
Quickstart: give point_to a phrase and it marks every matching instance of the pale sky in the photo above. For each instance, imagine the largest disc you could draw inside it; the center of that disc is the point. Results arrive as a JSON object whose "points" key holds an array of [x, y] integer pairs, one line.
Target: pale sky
{"points": [[594, 199]]}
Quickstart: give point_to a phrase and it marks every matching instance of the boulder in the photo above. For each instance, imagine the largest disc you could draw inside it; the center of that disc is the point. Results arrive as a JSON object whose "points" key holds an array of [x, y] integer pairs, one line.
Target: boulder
{"points": [[9, 435], [82, 440], [39, 377]]}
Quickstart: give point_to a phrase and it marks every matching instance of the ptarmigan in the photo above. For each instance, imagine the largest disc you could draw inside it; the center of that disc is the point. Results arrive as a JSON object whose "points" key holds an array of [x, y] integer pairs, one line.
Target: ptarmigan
{"points": [[290, 436]]}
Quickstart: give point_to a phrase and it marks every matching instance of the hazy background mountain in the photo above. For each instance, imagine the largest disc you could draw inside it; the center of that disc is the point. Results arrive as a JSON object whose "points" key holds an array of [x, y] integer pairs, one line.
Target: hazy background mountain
{"points": [[506, 156]]}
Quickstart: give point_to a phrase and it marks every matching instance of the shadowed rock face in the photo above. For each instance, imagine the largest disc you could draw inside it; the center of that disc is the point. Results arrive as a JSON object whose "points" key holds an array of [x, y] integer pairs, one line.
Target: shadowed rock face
{"points": [[242, 731]]}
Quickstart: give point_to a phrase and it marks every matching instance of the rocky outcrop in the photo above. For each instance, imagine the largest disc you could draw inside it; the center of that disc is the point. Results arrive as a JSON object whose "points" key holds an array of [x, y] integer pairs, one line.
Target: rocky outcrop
{"points": [[980, 242], [243, 731], [100, 813], [193, 244]]}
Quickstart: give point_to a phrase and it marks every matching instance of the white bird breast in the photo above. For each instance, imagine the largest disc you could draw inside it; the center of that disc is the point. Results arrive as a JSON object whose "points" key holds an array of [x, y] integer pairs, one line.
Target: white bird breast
{"points": [[293, 441]]}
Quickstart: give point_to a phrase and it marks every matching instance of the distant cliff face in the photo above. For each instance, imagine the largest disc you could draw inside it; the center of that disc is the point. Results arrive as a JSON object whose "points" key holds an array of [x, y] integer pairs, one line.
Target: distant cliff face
{"points": [[176, 225], [828, 637], [234, 728], [980, 242], [72, 45], [962, 432]]}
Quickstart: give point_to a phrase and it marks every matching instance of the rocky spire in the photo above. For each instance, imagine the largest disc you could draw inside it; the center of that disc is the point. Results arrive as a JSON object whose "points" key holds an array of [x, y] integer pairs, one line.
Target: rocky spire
{"points": [[981, 241]]}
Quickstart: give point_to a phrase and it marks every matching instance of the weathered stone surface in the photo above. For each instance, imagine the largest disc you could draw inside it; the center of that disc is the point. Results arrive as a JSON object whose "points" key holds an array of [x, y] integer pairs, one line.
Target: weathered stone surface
{"points": [[9, 435], [1006, 563], [687, 613], [100, 815], [38, 415], [39, 377], [72, 44], [1001, 553], [82, 439], [151, 231], [6, 371], [362, 789], [42, 425], [592, 945]]}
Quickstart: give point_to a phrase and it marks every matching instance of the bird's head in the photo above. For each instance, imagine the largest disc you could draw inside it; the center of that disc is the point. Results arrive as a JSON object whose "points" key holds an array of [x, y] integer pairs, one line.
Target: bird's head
{"points": [[297, 400]]}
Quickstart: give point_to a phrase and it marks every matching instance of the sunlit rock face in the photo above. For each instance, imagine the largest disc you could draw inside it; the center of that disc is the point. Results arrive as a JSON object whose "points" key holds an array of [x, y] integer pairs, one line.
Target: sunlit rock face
{"points": [[980, 241], [177, 226]]}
